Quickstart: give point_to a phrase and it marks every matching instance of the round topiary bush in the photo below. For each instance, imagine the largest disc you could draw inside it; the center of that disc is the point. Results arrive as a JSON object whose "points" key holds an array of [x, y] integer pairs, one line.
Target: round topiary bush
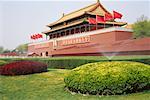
{"points": [[23, 68], [109, 78]]}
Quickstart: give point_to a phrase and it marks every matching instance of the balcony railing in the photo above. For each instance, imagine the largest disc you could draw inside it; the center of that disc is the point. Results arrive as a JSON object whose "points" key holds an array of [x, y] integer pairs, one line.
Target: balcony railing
{"points": [[75, 30]]}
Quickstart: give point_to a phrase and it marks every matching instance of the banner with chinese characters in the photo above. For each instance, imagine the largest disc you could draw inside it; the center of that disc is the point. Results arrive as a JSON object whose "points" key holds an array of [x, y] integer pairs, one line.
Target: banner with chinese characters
{"points": [[79, 40]]}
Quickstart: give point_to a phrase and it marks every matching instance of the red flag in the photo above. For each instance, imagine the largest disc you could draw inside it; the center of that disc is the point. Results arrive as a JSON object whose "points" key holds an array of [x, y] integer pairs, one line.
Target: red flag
{"points": [[38, 36], [92, 20], [34, 37], [31, 37], [117, 15], [108, 16], [100, 18], [41, 36]]}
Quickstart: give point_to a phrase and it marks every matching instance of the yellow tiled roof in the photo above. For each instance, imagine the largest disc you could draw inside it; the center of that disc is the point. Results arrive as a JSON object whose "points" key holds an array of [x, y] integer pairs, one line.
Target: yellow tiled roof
{"points": [[129, 26], [89, 9], [65, 26]]}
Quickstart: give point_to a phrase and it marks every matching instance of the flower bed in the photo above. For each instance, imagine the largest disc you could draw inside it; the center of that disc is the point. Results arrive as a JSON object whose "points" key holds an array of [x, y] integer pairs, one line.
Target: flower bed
{"points": [[23, 68]]}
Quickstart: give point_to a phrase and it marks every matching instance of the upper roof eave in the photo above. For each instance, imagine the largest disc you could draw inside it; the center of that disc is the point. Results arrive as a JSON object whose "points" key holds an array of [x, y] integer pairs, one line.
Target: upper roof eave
{"points": [[117, 23], [79, 12]]}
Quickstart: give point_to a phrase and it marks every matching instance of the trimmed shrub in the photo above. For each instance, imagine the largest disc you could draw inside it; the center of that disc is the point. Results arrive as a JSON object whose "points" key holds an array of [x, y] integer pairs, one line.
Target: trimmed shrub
{"points": [[109, 78], [23, 68], [73, 62]]}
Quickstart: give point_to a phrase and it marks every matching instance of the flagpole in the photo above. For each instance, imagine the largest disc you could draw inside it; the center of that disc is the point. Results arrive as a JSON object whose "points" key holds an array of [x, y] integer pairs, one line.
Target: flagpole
{"points": [[113, 20], [96, 22], [113, 24], [105, 20]]}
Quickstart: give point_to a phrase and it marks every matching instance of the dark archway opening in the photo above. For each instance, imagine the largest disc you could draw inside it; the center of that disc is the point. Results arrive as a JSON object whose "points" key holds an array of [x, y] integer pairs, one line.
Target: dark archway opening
{"points": [[46, 53]]}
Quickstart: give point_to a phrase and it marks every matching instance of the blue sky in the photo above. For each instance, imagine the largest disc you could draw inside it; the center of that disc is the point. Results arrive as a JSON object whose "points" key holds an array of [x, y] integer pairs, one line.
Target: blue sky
{"points": [[21, 18]]}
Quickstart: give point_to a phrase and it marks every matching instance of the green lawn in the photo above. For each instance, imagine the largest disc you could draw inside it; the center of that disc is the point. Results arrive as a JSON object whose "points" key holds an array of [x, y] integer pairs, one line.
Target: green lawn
{"points": [[50, 86]]}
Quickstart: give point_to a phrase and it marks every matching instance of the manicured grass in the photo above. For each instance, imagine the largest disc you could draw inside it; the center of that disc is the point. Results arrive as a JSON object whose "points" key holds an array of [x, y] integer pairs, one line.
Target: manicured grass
{"points": [[50, 86]]}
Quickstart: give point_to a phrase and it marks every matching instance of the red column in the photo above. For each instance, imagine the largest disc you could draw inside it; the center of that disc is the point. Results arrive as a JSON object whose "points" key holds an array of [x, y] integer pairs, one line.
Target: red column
{"points": [[85, 28], [69, 31], [56, 35], [59, 34], [74, 30], [53, 35], [80, 29], [65, 33], [49, 36]]}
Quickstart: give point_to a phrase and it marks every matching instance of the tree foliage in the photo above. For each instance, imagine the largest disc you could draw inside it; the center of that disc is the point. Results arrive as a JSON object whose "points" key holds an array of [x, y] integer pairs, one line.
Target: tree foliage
{"points": [[1, 49], [22, 48], [141, 28], [6, 51]]}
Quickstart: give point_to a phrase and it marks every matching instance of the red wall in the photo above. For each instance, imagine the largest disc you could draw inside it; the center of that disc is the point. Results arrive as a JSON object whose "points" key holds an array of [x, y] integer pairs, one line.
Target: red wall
{"points": [[116, 41], [121, 35]]}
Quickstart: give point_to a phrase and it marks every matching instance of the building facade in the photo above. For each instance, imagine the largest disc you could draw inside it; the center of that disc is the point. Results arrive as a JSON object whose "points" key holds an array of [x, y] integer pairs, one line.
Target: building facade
{"points": [[72, 35]]}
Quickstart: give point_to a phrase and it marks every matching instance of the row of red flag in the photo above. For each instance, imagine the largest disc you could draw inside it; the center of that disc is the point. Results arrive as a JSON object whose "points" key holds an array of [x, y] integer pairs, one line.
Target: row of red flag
{"points": [[103, 19], [107, 17], [36, 36]]}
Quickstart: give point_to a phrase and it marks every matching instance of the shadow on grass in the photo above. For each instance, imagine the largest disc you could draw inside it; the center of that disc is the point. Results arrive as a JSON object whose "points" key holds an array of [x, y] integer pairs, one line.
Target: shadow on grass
{"points": [[52, 70]]}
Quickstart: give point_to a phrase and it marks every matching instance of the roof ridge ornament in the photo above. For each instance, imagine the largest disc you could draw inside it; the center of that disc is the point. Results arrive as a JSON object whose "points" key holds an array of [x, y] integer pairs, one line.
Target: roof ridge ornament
{"points": [[98, 1], [63, 14]]}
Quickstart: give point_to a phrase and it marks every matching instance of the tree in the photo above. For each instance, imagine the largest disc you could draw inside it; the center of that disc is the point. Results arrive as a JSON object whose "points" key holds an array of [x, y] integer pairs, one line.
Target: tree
{"points": [[6, 51], [1, 49], [141, 28], [22, 48]]}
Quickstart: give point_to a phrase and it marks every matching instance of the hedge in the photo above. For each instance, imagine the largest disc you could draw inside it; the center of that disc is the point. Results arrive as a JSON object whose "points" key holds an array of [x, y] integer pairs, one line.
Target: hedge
{"points": [[73, 62], [109, 78], [23, 68]]}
